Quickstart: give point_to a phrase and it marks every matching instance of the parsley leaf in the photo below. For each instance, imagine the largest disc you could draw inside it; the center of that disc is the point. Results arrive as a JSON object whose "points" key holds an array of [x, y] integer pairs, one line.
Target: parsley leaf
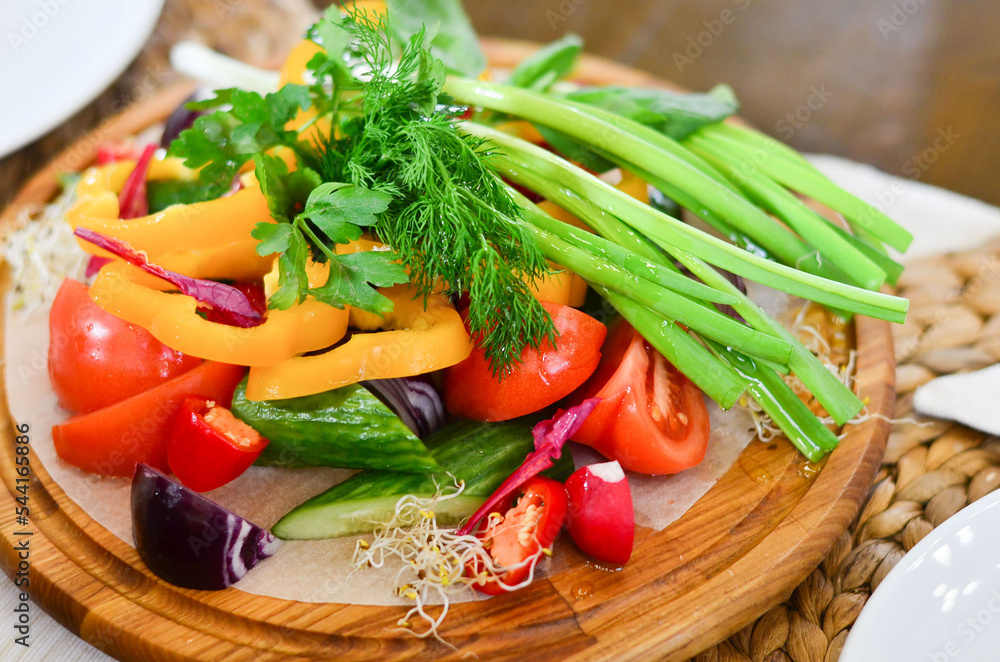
{"points": [[335, 211], [340, 210], [220, 143], [351, 274]]}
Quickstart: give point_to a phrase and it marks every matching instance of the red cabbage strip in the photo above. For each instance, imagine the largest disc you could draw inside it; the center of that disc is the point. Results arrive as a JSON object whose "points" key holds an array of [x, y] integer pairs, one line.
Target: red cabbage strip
{"points": [[94, 265], [132, 201], [549, 437], [219, 296]]}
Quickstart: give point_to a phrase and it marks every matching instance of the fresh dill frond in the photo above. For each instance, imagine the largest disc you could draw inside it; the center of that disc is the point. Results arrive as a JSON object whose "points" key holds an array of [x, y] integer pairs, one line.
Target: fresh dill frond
{"points": [[451, 220]]}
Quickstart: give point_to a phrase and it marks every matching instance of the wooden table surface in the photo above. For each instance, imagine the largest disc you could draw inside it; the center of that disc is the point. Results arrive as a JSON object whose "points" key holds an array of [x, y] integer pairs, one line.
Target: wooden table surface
{"points": [[910, 86]]}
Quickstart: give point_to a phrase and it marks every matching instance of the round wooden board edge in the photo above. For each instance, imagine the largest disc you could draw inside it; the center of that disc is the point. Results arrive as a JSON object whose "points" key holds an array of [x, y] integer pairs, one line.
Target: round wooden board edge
{"points": [[865, 453]]}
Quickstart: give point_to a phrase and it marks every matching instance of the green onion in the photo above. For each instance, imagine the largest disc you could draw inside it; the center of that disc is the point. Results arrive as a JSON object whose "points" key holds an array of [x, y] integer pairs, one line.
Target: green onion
{"points": [[684, 176], [568, 186], [799, 175], [806, 432], [717, 379]]}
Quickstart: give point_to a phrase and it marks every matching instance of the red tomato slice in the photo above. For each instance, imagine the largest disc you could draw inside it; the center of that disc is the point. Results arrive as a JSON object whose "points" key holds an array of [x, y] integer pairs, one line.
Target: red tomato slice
{"points": [[531, 521], [651, 418], [112, 440], [96, 359], [209, 446], [601, 518], [543, 377]]}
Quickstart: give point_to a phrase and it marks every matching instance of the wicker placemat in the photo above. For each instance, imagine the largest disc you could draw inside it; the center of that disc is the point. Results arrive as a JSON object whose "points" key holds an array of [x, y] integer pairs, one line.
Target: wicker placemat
{"points": [[931, 470]]}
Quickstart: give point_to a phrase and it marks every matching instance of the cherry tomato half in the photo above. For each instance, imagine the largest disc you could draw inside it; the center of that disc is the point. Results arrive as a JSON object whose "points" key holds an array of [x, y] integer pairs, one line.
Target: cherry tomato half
{"points": [[96, 359], [651, 418], [543, 377], [531, 521]]}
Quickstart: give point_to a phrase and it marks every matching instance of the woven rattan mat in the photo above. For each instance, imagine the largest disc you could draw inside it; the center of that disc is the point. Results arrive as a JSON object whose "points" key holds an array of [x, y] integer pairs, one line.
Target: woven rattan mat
{"points": [[931, 470]]}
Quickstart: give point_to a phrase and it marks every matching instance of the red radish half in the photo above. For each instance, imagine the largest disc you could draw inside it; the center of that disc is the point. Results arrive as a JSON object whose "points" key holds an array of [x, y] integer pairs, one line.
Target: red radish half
{"points": [[601, 519]]}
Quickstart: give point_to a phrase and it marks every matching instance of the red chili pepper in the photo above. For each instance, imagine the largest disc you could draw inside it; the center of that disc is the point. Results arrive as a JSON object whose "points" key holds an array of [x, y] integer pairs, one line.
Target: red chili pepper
{"points": [[209, 446], [132, 201], [531, 520]]}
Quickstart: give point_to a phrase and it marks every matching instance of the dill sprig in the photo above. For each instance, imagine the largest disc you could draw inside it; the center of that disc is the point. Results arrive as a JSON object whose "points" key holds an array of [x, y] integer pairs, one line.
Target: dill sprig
{"points": [[451, 220]]}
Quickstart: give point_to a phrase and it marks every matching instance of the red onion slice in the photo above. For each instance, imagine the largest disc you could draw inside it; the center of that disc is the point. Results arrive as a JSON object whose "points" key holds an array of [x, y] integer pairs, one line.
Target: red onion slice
{"points": [[189, 540], [241, 311], [415, 401]]}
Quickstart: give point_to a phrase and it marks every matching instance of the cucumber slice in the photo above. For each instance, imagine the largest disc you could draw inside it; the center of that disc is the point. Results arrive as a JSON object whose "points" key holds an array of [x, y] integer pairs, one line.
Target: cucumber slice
{"points": [[481, 454], [346, 427]]}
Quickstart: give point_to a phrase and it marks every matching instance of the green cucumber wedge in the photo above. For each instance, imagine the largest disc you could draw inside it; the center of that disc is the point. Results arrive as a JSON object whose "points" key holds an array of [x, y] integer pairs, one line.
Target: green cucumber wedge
{"points": [[346, 427], [481, 454]]}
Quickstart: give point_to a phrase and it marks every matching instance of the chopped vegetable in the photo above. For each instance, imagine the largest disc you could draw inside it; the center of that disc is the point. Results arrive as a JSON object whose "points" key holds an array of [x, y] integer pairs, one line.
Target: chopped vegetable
{"points": [[478, 456], [549, 437], [112, 440], [178, 321], [209, 447], [414, 400], [96, 359], [182, 118], [220, 248], [217, 295], [449, 219], [519, 531], [650, 418], [422, 339], [163, 193], [601, 519], [345, 427], [541, 377], [132, 202], [190, 541]]}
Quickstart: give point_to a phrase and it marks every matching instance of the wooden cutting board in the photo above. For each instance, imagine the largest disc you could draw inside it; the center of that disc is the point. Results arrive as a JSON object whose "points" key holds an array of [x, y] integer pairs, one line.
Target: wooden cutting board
{"points": [[740, 550]]}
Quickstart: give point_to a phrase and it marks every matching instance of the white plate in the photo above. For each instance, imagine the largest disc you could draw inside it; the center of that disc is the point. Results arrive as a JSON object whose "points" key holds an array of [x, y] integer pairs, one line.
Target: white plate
{"points": [[58, 55], [941, 603]]}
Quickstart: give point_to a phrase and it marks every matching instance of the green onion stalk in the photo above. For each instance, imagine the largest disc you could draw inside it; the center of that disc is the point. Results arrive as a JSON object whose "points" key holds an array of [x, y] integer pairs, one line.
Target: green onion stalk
{"points": [[628, 265]]}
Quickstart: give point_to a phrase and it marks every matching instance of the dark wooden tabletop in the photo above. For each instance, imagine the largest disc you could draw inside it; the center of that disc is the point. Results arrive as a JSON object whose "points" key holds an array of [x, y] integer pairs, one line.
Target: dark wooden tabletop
{"points": [[910, 86]]}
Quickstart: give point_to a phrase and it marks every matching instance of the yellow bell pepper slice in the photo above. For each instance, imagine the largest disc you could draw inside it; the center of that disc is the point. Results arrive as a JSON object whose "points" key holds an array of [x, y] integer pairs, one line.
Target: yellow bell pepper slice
{"points": [[419, 340], [215, 233], [122, 290]]}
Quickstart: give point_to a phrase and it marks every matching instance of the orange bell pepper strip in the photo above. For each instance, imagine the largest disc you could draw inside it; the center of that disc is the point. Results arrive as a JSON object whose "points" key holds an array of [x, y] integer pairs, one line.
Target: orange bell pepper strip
{"points": [[419, 340], [217, 232], [136, 297]]}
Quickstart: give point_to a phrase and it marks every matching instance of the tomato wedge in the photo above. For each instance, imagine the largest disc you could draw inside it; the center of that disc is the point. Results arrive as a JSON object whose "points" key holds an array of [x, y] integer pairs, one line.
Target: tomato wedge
{"points": [[530, 522], [209, 446], [542, 377], [110, 441], [96, 359], [651, 418]]}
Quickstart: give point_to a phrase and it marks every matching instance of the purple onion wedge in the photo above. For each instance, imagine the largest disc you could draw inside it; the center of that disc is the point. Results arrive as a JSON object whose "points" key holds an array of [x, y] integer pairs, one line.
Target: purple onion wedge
{"points": [[182, 118], [188, 539], [415, 401]]}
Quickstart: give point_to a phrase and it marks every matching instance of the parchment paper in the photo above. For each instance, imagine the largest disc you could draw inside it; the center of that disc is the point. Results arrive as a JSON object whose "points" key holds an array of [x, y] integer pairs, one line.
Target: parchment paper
{"points": [[311, 571]]}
